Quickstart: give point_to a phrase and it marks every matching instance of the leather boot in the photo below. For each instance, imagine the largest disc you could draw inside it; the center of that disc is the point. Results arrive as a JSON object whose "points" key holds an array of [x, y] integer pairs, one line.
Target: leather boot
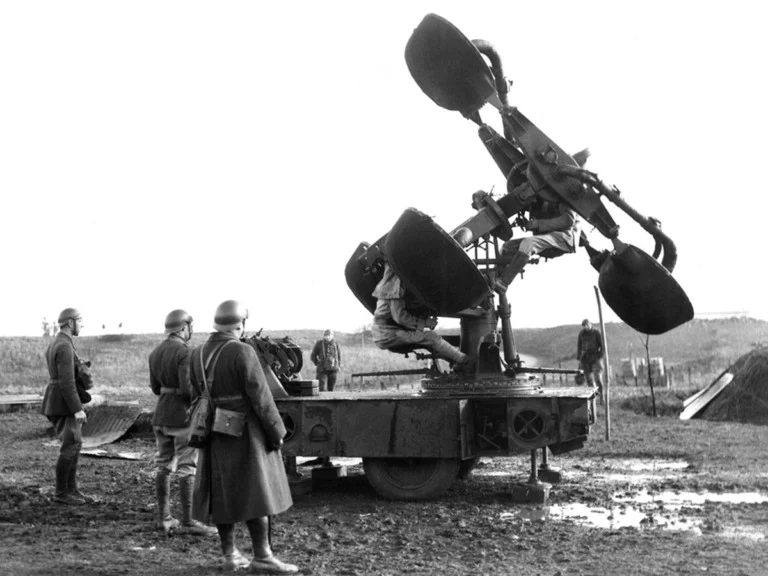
{"points": [[507, 273], [188, 524], [72, 484], [62, 495], [263, 558], [165, 521], [444, 350], [233, 559]]}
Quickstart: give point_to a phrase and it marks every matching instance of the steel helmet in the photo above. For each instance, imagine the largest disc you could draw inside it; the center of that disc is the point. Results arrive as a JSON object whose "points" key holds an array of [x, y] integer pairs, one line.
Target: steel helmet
{"points": [[229, 316], [69, 314], [176, 320]]}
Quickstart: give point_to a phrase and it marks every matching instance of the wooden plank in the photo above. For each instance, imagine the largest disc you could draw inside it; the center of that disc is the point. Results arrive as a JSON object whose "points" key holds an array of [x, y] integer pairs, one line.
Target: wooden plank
{"points": [[699, 401], [700, 392], [20, 398], [703, 391], [16, 402]]}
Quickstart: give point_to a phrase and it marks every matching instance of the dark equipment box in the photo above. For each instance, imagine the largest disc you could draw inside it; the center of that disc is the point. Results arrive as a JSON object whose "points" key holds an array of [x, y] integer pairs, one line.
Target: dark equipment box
{"points": [[302, 387]]}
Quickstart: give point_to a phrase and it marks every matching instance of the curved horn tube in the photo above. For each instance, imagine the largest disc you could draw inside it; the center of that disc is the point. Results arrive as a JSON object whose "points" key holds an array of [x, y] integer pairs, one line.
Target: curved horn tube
{"points": [[650, 225]]}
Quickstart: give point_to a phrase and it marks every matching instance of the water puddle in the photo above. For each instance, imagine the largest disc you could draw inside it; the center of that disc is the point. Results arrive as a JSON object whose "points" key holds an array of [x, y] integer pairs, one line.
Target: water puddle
{"points": [[652, 465], [631, 471], [676, 499], [337, 460], [681, 511]]}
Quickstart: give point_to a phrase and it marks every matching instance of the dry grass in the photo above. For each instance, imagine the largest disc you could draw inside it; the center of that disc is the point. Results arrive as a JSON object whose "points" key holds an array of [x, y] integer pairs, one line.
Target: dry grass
{"points": [[120, 366], [120, 360]]}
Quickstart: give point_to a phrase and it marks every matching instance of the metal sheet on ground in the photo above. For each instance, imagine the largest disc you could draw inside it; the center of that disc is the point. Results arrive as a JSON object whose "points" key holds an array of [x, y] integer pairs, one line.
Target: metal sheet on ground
{"points": [[101, 453], [698, 401], [108, 422]]}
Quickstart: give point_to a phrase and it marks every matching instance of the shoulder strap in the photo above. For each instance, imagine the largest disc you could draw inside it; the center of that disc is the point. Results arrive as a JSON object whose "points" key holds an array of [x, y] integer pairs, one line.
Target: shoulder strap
{"points": [[210, 365]]}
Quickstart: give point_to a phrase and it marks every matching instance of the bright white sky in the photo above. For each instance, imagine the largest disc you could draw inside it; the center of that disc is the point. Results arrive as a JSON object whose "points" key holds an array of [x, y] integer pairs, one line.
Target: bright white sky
{"points": [[163, 154]]}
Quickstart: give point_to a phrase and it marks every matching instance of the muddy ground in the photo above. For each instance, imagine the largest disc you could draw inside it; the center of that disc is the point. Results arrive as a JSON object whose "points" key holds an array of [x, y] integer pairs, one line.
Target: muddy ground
{"points": [[662, 497]]}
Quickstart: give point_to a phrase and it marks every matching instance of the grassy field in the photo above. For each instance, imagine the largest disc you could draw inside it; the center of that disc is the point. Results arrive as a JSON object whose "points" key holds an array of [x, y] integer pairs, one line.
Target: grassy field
{"points": [[120, 362], [694, 353]]}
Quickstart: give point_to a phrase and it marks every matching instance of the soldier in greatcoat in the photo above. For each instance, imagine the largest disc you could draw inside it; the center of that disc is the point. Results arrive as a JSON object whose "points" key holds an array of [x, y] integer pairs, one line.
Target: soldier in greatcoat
{"points": [[63, 406], [240, 478], [169, 381]]}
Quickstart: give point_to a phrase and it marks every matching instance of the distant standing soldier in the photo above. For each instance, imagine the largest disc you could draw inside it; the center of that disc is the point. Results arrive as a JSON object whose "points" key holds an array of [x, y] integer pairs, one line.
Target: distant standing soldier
{"points": [[169, 380], [326, 355], [63, 406], [589, 352]]}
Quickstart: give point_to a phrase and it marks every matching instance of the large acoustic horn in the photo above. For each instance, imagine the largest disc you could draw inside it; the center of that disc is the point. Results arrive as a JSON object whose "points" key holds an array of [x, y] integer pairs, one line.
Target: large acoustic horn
{"points": [[642, 292], [448, 67], [432, 266], [363, 275]]}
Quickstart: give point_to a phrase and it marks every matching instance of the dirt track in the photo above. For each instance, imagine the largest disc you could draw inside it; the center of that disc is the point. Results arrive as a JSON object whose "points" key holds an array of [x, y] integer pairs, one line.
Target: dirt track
{"points": [[475, 529]]}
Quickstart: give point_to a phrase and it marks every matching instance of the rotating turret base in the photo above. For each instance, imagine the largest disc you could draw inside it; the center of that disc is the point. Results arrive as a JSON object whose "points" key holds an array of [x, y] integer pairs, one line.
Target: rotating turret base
{"points": [[480, 385]]}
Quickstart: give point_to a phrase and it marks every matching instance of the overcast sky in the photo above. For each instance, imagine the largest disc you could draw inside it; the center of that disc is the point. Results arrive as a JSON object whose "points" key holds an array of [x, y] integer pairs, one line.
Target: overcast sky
{"points": [[162, 154]]}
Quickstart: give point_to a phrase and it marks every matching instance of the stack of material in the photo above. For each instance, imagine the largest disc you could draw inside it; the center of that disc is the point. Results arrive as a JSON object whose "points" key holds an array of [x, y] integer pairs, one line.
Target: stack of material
{"points": [[745, 399]]}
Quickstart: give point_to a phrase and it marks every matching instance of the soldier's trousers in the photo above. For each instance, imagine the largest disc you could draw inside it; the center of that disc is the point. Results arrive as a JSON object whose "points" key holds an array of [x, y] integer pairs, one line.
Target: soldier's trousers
{"points": [[69, 430], [327, 380], [532, 245], [174, 452], [593, 371]]}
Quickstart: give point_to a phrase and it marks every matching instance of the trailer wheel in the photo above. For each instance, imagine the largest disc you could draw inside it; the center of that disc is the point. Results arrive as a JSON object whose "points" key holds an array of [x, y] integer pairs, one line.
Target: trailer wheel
{"points": [[410, 478], [290, 426], [466, 467]]}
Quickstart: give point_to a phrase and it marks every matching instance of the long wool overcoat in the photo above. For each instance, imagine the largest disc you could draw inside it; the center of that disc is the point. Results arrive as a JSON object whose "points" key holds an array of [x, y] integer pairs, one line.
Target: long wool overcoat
{"points": [[240, 478]]}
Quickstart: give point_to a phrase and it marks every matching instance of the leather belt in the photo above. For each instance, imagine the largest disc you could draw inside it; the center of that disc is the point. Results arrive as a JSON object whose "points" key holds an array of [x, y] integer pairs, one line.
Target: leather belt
{"points": [[167, 390], [230, 398]]}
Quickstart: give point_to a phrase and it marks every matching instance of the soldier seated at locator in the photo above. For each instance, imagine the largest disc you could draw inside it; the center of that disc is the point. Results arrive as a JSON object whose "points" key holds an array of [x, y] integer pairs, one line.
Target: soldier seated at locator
{"points": [[397, 323], [555, 228]]}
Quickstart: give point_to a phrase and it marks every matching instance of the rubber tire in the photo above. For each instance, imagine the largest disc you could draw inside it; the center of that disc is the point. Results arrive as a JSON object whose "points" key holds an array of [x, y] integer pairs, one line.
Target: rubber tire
{"points": [[411, 478], [466, 467]]}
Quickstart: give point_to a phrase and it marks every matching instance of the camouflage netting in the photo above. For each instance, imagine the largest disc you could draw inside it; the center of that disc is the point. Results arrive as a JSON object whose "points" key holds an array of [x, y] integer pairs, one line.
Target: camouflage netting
{"points": [[745, 399]]}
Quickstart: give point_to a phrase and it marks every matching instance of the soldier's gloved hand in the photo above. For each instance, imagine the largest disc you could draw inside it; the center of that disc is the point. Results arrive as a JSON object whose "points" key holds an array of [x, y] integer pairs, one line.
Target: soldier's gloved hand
{"points": [[431, 322], [533, 225], [80, 416]]}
